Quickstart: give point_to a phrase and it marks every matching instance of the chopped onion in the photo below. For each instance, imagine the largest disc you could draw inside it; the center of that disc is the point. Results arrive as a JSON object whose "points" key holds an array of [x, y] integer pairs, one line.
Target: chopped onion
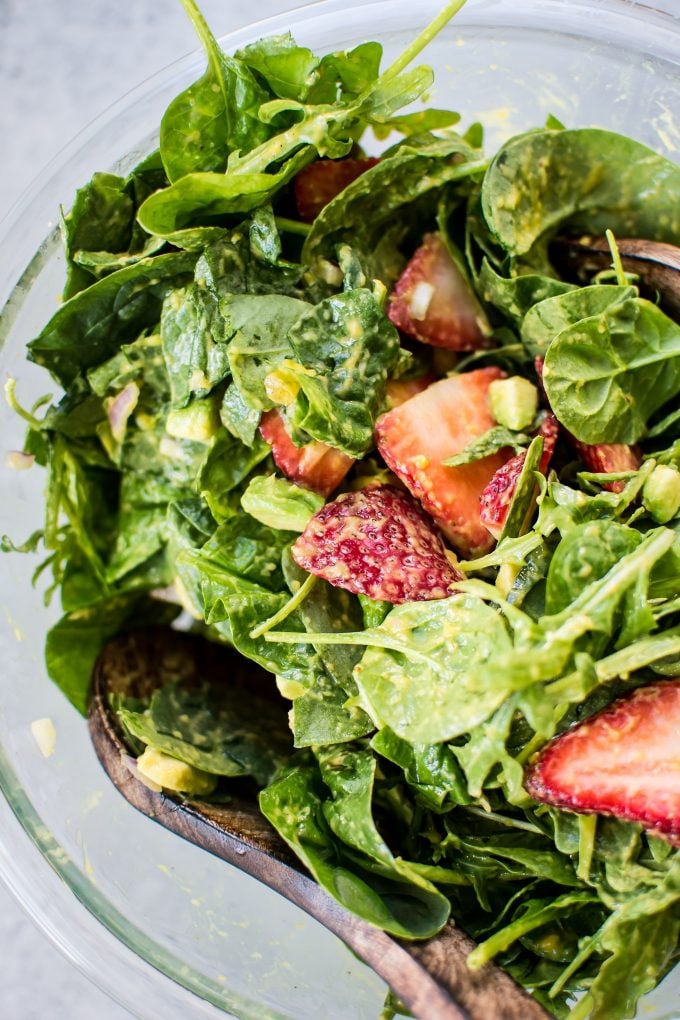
{"points": [[17, 460], [120, 408], [420, 300]]}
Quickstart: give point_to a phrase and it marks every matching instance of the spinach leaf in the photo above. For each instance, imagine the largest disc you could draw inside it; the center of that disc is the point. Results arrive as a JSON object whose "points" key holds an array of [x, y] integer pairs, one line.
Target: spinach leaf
{"points": [[345, 350], [279, 503], [293, 803], [259, 325], [228, 464], [100, 219], [232, 264], [213, 729], [606, 375], [91, 326], [585, 554], [73, 644], [431, 770], [548, 317], [320, 715], [589, 178], [514, 296], [191, 334], [216, 115]]}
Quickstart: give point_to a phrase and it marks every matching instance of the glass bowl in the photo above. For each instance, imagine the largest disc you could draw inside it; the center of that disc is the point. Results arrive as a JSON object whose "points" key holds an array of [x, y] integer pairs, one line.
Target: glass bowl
{"points": [[160, 925]]}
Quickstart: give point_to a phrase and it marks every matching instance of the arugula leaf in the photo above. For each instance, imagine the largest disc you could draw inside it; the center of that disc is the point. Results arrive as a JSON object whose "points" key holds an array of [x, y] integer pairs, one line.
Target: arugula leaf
{"points": [[91, 326], [627, 188], [346, 349], [495, 439], [606, 375]]}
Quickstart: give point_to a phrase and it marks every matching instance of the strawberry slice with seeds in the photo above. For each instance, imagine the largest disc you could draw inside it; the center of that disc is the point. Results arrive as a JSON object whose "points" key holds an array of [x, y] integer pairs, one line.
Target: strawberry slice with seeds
{"points": [[624, 761], [496, 499], [438, 423], [320, 182], [377, 542], [315, 466], [433, 303], [608, 458]]}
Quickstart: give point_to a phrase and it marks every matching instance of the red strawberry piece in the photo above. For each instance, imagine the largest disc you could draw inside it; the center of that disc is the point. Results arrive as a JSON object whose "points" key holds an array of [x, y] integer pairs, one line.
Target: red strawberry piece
{"points": [[320, 182], [315, 466], [377, 542], [432, 301], [401, 390], [608, 458], [624, 761], [496, 499], [417, 436]]}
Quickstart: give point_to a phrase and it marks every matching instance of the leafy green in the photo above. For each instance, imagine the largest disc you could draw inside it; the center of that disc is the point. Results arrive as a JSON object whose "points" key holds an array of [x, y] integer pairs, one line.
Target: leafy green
{"points": [[216, 115], [606, 375], [345, 350], [192, 335], [279, 503], [212, 730], [93, 324], [590, 179], [495, 439]]}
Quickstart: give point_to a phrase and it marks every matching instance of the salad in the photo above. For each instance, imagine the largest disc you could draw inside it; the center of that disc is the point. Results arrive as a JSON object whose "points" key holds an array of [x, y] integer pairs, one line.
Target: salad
{"points": [[345, 411]]}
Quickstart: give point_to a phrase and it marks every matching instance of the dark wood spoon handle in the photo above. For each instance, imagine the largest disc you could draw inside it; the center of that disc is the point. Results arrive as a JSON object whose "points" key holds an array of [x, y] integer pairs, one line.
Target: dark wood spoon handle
{"points": [[430, 977]]}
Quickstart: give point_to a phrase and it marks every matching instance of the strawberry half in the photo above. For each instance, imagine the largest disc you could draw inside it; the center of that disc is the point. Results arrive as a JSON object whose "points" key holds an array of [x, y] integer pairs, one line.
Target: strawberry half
{"points": [[496, 499], [608, 458], [624, 761], [433, 303], [417, 436], [320, 182], [377, 542], [315, 466]]}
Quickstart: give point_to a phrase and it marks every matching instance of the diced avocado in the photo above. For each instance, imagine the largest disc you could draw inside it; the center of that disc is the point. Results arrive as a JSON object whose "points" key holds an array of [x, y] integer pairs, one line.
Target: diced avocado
{"points": [[661, 493], [198, 421], [513, 402], [175, 775]]}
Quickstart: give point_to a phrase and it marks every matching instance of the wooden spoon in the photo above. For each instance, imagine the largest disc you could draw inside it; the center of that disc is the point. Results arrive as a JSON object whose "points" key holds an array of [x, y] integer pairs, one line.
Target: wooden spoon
{"points": [[430, 977], [655, 263]]}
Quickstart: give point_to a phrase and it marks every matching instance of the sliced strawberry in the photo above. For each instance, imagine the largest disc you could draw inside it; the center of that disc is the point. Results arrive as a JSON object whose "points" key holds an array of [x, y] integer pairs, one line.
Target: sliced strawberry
{"points": [[624, 761], [316, 466], [432, 301], [497, 496], [401, 390], [317, 184], [608, 458], [436, 424], [377, 542]]}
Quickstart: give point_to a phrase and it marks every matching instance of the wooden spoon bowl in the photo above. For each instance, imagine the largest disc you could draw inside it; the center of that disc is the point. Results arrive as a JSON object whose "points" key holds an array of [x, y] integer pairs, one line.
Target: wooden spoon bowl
{"points": [[431, 977]]}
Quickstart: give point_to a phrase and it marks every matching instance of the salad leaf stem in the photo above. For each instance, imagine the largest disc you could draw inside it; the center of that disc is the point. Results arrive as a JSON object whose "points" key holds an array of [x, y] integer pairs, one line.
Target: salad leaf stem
{"points": [[291, 605], [422, 40]]}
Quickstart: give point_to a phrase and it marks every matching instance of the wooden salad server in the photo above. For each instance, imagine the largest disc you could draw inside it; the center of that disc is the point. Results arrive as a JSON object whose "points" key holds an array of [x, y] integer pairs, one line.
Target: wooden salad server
{"points": [[431, 977], [656, 263]]}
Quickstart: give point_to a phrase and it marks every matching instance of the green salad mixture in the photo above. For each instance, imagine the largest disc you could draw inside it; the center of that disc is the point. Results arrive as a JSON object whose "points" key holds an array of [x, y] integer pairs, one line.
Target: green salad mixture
{"points": [[202, 302]]}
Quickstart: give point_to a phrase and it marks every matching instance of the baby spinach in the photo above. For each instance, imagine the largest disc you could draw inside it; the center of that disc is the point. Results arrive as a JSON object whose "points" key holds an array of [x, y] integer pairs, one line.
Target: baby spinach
{"points": [[192, 336], [93, 324], [607, 374], [590, 180]]}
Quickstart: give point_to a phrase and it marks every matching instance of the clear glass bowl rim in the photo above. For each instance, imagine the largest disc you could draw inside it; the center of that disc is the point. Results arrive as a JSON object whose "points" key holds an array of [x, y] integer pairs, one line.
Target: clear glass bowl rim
{"points": [[49, 886]]}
